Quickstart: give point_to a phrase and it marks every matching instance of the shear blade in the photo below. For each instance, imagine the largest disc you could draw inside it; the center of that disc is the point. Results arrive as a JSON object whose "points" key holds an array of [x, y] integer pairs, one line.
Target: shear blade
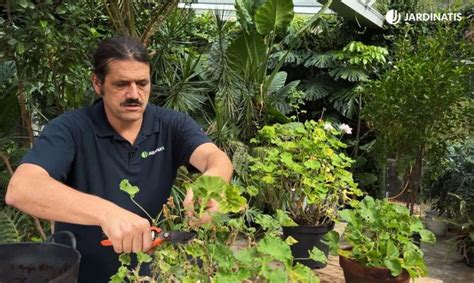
{"points": [[176, 237]]}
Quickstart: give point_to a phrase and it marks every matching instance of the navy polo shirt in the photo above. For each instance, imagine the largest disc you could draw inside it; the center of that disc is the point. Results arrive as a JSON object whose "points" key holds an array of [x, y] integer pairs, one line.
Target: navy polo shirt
{"points": [[83, 151]]}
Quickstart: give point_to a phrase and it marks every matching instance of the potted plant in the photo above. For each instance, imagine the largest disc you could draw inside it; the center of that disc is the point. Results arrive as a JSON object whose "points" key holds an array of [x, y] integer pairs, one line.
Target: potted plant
{"points": [[300, 169], [217, 254], [453, 184], [380, 245], [461, 217]]}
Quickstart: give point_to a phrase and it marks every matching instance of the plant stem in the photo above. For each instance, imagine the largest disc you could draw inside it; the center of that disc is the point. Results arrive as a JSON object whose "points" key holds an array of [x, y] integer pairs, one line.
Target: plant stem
{"points": [[142, 209]]}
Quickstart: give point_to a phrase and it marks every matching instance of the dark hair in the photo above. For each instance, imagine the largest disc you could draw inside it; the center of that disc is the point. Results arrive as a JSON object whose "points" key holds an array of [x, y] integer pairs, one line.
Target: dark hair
{"points": [[118, 48]]}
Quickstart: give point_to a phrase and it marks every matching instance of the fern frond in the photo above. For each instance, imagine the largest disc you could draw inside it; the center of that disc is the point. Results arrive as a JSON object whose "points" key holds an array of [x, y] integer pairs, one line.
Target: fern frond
{"points": [[15, 226]]}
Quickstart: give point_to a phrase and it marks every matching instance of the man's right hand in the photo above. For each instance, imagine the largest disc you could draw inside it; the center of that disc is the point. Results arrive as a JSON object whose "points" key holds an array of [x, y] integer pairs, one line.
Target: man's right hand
{"points": [[127, 231]]}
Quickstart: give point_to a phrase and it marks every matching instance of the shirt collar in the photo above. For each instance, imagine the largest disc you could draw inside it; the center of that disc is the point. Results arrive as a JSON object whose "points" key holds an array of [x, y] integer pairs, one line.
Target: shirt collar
{"points": [[103, 128]]}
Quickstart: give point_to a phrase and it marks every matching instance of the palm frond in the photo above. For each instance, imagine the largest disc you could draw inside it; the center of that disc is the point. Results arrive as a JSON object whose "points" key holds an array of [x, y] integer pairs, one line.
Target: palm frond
{"points": [[182, 89], [7, 71]]}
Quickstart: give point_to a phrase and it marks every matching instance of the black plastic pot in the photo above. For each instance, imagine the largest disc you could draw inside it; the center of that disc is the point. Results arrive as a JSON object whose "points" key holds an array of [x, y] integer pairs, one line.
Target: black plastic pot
{"points": [[40, 262], [308, 237]]}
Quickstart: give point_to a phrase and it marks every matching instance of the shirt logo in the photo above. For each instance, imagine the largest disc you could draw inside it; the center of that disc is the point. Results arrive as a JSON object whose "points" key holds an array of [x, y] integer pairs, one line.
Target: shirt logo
{"points": [[145, 154]]}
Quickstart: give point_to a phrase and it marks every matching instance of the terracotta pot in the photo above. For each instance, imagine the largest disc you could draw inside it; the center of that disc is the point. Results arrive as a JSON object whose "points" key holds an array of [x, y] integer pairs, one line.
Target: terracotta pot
{"points": [[355, 272]]}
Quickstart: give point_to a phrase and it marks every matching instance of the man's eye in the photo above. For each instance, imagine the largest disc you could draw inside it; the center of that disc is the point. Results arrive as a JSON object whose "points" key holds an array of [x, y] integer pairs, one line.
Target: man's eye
{"points": [[142, 84], [121, 84]]}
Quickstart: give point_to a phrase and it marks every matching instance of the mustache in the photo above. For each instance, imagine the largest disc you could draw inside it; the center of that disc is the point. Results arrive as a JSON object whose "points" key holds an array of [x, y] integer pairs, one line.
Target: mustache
{"points": [[131, 102]]}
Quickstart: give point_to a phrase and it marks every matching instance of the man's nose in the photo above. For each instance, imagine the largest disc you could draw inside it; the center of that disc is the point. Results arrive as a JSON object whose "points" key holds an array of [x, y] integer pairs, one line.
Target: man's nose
{"points": [[132, 91]]}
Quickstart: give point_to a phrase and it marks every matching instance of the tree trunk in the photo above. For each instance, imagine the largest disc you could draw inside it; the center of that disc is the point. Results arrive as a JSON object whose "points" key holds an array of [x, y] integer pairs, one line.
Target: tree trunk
{"points": [[415, 178]]}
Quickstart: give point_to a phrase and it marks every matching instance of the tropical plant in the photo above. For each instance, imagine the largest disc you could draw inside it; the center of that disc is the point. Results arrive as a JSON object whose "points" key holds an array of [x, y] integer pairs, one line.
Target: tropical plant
{"points": [[454, 176], [380, 234], [139, 19], [461, 217], [300, 168], [214, 256], [248, 57]]}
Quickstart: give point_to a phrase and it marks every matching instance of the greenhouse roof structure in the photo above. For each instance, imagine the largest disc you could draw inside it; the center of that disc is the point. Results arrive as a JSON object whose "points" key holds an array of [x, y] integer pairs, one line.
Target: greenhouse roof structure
{"points": [[360, 11]]}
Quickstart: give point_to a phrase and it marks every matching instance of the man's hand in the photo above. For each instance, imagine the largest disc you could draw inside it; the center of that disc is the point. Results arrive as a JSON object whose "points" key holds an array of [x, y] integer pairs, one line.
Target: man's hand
{"points": [[127, 231], [188, 203]]}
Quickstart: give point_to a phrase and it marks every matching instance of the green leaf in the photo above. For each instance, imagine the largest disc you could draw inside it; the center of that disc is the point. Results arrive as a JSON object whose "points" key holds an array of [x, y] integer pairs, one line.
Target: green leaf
{"points": [[128, 188], [246, 54], [23, 3], [284, 219], [278, 82], [266, 221], [291, 241], [125, 258], [301, 273], [20, 48], [274, 15], [332, 240], [143, 257], [427, 236], [119, 277], [317, 255], [392, 251], [276, 248], [246, 256], [275, 275], [394, 265], [233, 201]]}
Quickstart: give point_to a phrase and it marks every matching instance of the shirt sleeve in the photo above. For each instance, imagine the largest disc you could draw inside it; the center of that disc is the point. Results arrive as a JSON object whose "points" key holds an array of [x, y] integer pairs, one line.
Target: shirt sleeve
{"points": [[189, 136], [54, 150]]}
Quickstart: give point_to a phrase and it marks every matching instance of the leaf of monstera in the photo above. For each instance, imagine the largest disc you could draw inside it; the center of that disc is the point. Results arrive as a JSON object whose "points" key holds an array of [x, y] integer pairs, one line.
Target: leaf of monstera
{"points": [[274, 15]]}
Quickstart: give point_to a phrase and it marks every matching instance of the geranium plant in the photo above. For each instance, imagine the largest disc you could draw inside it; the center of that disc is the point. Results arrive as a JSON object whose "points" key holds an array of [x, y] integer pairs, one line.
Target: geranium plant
{"points": [[225, 249], [380, 234], [300, 168]]}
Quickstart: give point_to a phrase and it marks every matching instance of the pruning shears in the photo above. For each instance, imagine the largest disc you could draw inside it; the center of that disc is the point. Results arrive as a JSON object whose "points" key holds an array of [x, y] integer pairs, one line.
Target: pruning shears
{"points": [[159, 236]]}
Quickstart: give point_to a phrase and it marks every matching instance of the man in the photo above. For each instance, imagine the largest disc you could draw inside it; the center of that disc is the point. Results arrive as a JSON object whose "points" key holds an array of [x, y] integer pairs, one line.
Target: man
{"points": [[72, 173]]}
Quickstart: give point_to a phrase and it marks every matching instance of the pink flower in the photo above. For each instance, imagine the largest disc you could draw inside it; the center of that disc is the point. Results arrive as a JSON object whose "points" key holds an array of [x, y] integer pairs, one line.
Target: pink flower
{"points": [[345, 129]]}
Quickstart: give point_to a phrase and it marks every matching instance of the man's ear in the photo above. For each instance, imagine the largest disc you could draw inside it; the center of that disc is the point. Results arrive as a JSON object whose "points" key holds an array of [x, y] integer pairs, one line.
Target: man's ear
{"points": [[96, 84]]}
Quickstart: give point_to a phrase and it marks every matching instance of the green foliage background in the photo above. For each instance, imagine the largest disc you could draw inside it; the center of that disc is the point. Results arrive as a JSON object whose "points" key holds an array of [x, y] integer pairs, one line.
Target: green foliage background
{"points": [[304, 69]]}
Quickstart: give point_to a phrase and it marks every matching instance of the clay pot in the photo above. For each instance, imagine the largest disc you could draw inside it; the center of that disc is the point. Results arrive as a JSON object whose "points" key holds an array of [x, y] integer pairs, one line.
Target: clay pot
{"points": [[355, 272]]}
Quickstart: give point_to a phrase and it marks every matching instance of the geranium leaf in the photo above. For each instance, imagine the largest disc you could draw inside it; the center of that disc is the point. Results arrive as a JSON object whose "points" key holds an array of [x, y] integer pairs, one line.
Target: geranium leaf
{"points": [[128, 188], [276, 248]]}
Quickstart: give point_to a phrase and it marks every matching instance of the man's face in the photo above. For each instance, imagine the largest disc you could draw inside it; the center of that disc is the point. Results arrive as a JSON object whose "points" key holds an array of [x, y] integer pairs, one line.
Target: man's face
{"points": [[125, 90]]}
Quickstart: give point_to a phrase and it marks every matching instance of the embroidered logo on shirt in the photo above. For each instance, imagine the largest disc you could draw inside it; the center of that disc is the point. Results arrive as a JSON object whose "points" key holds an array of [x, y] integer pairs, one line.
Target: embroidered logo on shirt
{"points": [[145, 154]]}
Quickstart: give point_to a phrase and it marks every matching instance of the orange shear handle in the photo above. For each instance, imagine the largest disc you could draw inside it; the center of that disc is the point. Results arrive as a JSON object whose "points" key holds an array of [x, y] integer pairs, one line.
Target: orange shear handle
{"points": [[156, 242]]}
